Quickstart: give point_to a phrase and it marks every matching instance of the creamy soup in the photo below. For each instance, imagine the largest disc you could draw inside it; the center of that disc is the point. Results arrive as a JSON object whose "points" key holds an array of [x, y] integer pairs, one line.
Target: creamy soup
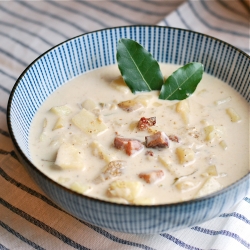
{"points": [[95, 137]]}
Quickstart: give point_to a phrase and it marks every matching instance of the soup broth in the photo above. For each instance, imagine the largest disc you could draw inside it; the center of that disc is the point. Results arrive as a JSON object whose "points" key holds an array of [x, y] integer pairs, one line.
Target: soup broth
{"points": [[94, 136]]}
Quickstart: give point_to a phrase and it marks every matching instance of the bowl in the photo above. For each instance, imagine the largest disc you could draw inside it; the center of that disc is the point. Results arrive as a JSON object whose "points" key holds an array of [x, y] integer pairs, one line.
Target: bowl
{"points": [[96, 49]]}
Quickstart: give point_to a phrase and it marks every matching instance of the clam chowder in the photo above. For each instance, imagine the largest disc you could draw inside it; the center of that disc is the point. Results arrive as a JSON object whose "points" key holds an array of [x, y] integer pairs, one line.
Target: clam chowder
{"points": [[95, 137]]}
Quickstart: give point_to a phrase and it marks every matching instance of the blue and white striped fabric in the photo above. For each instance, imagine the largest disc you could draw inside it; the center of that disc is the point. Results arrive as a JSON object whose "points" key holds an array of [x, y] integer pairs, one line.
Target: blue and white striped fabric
{"points": [[28, 219]]}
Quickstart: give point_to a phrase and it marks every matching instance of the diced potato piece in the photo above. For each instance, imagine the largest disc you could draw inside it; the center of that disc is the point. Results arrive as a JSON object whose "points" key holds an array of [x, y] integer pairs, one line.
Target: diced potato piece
{"points": [[176, 170], [212, 170], [61, 110], [168, 165], [164, 161], [89, 104], [211, 185], [59, 123], [143, 99], [183, 109], [219, 102], [212, 132], [185, 155], [79, 187], [184, 185], [144, 201], [63, 180], [120, 85], [88, 122], [127, 190], [130, 105], [234, 116], [99, 150], [69, 157], [223, 144]]}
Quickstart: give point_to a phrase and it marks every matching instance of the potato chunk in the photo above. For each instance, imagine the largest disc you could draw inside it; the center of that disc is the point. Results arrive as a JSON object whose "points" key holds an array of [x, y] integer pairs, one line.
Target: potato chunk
{"points": [[61, 110], [59, 123], [185, 155], [143, 99], [183, 109], [234, 116], [127, 190], [130, 105], [212, 170], [211, 185], [69, 157], [89, 104], [167, 163], [185, 185], [79, 187], [120, 85], [144, 201], [99, 150], [212, 132], [88, 122]]}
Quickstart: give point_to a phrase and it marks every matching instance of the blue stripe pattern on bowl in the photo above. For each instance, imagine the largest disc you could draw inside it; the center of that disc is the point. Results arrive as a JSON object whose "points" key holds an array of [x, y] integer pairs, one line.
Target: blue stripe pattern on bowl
{"points": [[93, 50]]}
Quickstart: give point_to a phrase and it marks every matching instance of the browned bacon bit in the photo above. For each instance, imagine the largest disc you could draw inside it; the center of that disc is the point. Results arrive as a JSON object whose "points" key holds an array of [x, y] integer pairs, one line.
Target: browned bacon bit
{"points": [[152, 176], [159, 139], [173, 138], [144, 123], [149, 152], [120, 142], [131, 146]]}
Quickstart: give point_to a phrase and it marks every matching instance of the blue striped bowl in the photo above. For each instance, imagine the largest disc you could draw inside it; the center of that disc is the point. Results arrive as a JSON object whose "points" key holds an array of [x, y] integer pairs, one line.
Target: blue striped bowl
{"points": [[96, 49]]}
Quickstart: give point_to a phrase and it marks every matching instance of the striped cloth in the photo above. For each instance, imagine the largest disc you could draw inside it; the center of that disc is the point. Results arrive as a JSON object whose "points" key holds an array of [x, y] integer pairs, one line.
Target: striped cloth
{"points": [[28, 219]]}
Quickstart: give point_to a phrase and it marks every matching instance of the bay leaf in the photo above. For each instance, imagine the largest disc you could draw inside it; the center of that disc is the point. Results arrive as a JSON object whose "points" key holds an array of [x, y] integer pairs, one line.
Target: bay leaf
{"points": [[140, 71], [183, 82]]}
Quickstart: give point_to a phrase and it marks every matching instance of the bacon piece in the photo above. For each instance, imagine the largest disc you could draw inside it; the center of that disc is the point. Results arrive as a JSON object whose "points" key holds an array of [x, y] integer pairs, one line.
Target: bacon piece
{"points": [[120, 143], [144, 123], [173, 138], [159, 139], [131, 146], [152, 176]]}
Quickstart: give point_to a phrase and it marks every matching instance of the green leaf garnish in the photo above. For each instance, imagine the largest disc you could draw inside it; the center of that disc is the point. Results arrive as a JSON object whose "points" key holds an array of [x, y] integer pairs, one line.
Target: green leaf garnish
{"points": [[140, 71], [182, 83]]}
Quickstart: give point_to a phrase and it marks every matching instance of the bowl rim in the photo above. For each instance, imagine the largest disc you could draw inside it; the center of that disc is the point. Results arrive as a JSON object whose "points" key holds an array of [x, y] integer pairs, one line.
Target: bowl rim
{"points": [[47, 178]]}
